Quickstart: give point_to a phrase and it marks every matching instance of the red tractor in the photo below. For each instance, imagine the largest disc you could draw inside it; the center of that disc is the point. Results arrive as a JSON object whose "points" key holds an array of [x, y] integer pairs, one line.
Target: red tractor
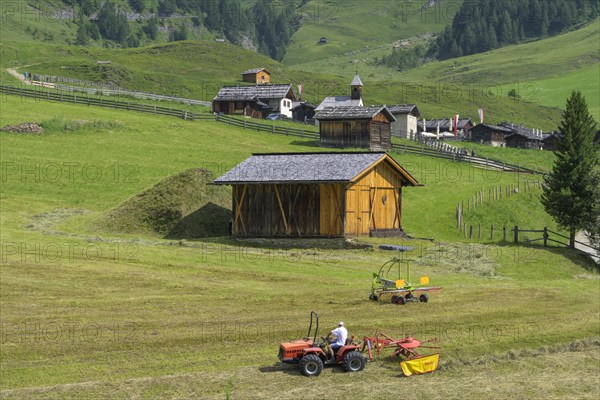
{"points": [[311, 355]]}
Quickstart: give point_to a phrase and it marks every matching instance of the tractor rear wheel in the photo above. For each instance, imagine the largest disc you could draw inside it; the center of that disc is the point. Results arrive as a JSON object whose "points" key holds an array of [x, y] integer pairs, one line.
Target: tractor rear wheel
{"points": [[311, 365], [354, 362]]}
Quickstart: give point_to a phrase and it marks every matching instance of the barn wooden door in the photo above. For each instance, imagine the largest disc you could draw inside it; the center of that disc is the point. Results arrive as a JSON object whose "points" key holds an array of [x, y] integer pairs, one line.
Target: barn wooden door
{"points": [[384, 209], [358, 210]]}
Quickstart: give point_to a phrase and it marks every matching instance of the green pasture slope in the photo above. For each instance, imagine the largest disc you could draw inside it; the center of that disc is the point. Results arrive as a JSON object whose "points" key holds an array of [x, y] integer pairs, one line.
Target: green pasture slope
{"points": [[202, 68], [543, 72], [88, 313], [359, 26]]}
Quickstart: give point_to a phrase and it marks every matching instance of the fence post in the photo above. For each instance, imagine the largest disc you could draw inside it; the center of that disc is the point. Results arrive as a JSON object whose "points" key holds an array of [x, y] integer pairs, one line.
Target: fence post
{"points": [[545, 236], [273, 129], [470, 231], [504, 233], [479, 232], [492, 232], [244, 124], [516, 234]]}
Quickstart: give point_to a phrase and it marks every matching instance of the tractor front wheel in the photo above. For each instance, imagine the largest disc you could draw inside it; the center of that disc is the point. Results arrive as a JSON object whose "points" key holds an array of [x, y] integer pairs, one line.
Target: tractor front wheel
{"points": [[354, 362], [311, 365]]}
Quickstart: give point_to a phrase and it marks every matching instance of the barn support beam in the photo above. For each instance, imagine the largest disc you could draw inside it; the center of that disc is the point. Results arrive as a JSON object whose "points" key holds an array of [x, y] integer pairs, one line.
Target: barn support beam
{"points": [[281, 208], [238, 208]]}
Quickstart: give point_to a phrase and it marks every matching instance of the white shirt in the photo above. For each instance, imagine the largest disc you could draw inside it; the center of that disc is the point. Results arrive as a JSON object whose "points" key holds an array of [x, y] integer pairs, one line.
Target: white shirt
{"points": [[341, 333]]}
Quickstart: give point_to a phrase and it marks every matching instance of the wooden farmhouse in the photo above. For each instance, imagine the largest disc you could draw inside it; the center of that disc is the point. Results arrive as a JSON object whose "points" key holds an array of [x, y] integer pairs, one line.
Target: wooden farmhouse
{"points": [[490, 134], [254, 101], [525, 138], [256, 75], [356, 127], [317, 195], [407, 116]]}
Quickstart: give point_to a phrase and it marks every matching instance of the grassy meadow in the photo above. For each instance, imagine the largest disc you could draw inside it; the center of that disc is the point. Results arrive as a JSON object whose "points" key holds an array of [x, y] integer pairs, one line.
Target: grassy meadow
{"points": [[90, 313]]}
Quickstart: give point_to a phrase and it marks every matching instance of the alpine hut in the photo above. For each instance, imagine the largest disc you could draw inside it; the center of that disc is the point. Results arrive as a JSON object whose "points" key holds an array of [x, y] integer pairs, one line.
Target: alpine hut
{"points": [[356, 127]]}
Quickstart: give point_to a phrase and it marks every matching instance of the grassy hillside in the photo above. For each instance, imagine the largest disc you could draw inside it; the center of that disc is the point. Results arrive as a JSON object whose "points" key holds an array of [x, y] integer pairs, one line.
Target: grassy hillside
{"points": [[203, 67], [542, 72], [357, 26], [27, 21], [88, 313], [540, 59]]}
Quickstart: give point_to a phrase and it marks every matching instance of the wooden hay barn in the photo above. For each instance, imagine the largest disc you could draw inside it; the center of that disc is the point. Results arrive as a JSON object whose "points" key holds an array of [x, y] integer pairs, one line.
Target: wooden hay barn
{"points": [[317, 195], [356, 127]]}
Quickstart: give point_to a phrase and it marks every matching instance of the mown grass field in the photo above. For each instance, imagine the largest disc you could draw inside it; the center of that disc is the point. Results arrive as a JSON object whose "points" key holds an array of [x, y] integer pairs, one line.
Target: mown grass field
{"points": [[89, 313]]}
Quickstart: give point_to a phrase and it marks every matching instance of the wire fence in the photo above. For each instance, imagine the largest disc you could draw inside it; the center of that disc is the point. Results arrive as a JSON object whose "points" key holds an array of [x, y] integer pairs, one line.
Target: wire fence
{"points": [[58, 83]]}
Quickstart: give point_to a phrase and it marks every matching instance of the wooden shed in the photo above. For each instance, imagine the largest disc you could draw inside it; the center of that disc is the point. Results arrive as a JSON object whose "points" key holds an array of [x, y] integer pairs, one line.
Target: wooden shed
{"points": [[317, 195], [356, 127], [256, 75], [302, 111]]}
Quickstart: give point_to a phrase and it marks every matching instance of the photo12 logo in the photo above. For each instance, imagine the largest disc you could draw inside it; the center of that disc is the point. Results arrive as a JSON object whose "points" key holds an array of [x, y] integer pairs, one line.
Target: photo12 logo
{"points": [[67, 172]]}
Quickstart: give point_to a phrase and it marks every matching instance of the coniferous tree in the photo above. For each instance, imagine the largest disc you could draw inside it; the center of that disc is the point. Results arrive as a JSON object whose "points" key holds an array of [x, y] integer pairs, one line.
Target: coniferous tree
{"points": [[570, 190]]}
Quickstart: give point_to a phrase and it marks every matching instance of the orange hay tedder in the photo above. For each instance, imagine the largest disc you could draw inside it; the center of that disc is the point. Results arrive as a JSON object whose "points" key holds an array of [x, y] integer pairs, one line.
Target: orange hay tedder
{"points": [[413, 363], [310, 354]]}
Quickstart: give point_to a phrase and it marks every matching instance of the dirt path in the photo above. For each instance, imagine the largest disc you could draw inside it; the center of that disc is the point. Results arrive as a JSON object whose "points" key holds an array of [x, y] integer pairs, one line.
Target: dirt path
{"points": [[18, 75], [21, 78]]}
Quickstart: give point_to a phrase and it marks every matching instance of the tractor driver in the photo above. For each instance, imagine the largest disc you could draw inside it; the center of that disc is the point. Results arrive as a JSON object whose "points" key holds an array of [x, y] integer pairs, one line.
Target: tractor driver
{"points": [[341, 335]]}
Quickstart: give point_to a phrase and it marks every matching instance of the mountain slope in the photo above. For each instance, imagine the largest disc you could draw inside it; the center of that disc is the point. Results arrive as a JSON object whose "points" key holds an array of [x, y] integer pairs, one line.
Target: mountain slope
{"points": [[357, 25]]}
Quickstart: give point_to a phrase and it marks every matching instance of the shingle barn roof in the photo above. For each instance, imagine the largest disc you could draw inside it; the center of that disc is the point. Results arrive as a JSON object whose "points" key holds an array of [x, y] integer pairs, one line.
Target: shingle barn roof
{"points": [[405, 109], [255, 71], [241, 93], [334, 113], [306, 168]]}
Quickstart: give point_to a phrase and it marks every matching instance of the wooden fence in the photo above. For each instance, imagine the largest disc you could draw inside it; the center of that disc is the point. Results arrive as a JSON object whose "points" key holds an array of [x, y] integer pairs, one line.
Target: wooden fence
{"points": [[282, 130], [101, 102], [496, 193], [40, 93], [443, 153]]}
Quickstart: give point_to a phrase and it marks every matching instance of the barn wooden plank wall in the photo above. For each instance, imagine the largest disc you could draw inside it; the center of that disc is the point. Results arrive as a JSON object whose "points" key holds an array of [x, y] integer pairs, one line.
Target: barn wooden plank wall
{"points": [[353, 133], [276, 210]]}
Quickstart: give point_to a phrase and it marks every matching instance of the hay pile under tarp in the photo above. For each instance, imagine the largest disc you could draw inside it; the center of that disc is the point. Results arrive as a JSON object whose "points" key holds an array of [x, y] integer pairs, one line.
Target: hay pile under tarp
{"points": [[180, 206]]}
